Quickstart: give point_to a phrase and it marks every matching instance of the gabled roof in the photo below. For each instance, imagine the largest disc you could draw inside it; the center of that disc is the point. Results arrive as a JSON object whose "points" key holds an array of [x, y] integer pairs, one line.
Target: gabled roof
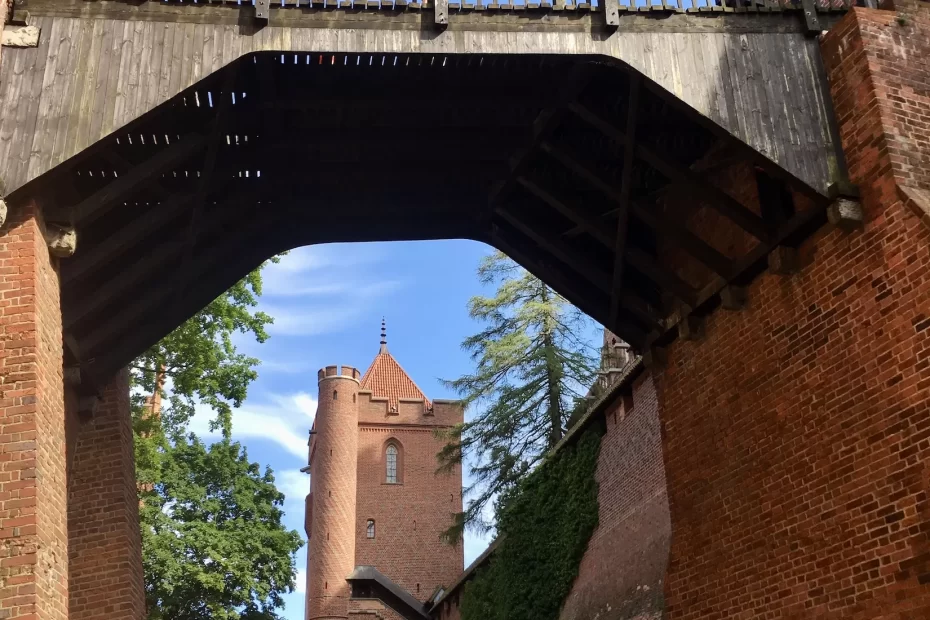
{"points": [[386, 379]]}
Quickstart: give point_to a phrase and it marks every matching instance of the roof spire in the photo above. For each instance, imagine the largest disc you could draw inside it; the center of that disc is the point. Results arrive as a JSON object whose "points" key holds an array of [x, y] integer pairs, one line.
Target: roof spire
{"points": [[383, 337]]}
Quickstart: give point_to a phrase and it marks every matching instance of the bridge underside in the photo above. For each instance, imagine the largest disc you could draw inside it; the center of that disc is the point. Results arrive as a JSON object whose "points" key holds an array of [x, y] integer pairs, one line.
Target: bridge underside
{"points": [[578, 167]]}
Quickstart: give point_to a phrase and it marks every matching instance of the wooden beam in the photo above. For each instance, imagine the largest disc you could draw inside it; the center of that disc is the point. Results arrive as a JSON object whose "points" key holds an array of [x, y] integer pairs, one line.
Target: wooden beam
{"points": [[147, 320], [573, 213], [667, 280], [206, 175], [87, 261], [101, 201], [586, 269], [626, 189], [693, 244], [543, 126], [717, 199], [565, 286], [96, 299], [593, 273]]}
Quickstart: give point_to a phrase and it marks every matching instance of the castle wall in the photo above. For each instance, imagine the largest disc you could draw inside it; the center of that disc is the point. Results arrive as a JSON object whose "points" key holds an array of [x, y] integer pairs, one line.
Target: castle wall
{"points": [[797, 431], [623, 570]]}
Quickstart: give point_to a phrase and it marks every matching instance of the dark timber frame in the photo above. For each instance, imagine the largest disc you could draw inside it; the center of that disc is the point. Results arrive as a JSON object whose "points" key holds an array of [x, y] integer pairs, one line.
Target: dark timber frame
{"points": [[575, 166]]}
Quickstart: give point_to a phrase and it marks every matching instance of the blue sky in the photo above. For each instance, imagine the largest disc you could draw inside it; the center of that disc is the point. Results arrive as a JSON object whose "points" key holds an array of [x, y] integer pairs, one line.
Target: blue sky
{"points": [[327, 302]]}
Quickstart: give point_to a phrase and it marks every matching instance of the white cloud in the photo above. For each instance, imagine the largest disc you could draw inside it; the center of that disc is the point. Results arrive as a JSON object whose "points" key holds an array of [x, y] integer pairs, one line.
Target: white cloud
{"points": [[323, 289], [285, 367], [275, 421], [301, 585], [294, 484]]}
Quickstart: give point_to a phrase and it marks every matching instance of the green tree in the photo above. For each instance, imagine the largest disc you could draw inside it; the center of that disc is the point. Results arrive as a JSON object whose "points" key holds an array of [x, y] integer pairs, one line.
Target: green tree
{"points": [[213, 543], [533, 364]]}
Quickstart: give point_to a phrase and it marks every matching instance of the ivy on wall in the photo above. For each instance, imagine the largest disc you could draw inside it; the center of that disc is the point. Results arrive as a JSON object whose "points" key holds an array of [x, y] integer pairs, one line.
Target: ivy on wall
{"points": [[546, 523]]}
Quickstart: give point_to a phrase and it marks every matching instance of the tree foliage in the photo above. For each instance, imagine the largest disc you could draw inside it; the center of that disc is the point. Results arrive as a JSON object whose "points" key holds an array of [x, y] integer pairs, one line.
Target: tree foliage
{"points": [[213, 543], [532, 366], [544, 524]]}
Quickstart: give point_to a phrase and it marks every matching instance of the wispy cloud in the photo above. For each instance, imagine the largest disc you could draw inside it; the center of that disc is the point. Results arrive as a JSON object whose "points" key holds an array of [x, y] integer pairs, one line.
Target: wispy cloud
{"points": [[294, 484], [322, 289], [301, 585], [284, 420], [285, 367]]}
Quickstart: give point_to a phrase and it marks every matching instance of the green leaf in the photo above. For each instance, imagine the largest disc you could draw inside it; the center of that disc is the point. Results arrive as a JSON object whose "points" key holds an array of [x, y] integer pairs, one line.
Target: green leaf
{"points": [[213, 543]]}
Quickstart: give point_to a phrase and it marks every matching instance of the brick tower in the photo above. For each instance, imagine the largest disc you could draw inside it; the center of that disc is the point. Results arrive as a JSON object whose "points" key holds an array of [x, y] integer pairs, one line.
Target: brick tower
{"points": [[376, 498], [333, 449]]}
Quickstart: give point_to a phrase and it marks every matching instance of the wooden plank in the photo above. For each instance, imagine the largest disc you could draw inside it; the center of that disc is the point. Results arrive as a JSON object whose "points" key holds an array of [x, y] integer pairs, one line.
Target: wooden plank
{"points": [[63, 92], [84, 75], [137, 64], [28, 107], [12, 77], [775, 80], [175, 65], [105, 87], [815, 97], [79, 137], [59, 37], [715, 64], [123, 90]]}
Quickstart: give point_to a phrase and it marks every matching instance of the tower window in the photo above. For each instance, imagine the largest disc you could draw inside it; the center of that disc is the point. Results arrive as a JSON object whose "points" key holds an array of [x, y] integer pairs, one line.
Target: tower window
{"points": [[391, 463], [370, 528], [334, 395]]}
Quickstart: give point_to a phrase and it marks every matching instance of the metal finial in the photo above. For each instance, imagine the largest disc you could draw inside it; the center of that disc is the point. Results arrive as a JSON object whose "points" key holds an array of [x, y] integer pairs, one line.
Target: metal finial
{"points": [[383, 336]]}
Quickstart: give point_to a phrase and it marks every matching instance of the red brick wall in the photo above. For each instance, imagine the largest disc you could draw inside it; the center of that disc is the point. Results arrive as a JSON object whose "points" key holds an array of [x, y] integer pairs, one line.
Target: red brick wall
{"points": [[879, 71], [331, 552], [622, 573], [33, 521], [409, 517], [105, 555], [797, 432]]}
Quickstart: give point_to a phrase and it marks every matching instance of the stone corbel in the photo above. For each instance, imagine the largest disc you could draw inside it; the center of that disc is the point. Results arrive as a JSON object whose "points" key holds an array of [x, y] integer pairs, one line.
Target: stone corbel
{"points": [[61, 240], [20, 36]]}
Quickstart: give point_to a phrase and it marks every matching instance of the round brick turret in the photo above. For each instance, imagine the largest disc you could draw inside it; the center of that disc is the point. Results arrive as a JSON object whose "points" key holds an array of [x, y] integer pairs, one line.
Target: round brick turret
{"points": [[331, 553]]}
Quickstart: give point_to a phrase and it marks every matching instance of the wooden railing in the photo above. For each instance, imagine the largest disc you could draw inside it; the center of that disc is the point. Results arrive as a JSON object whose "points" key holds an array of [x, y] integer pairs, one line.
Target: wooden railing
{"points": [[520, 6]]}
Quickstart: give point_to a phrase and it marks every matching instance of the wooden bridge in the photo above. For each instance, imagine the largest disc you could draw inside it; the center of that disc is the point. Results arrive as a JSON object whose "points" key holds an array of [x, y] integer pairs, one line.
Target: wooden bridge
{"points": [[656, 163], [195, 137]]}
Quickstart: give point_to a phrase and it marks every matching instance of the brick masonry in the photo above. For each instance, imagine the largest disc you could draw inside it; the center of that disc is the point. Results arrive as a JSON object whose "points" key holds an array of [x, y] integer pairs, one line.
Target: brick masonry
{"points": [[623, 570], [105, 556], [409, 516], [797, 432], [33, 518]]}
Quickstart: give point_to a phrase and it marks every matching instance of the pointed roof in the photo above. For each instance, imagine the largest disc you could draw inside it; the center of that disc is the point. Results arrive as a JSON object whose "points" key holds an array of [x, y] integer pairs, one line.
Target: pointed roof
{"points": [[386, 379]]}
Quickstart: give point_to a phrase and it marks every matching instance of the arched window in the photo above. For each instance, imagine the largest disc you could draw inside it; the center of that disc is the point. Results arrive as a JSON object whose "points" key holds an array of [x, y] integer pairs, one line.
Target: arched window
{"points": [[370, 528], [390, 454]]}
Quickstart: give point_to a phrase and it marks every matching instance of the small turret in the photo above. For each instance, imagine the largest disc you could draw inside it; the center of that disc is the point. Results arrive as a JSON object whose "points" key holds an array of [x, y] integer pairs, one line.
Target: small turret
{"points": [[333, 464]]}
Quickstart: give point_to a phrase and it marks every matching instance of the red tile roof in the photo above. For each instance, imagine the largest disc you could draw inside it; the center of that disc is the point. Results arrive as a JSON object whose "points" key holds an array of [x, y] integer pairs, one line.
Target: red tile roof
{"points": [[386, 379]]}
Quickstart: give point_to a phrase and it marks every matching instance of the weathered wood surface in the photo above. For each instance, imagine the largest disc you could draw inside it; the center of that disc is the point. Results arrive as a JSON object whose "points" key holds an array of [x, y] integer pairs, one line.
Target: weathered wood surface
{"points": [[88, 77]]}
